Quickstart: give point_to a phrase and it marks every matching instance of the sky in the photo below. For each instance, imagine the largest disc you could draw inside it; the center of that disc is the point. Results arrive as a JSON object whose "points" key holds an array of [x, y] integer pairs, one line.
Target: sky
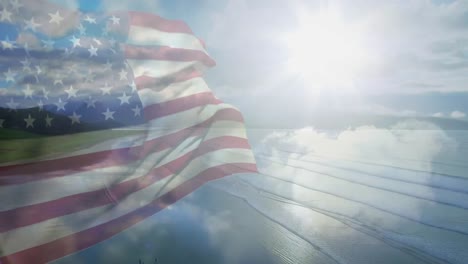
{"points": [[303, 64], [398, 58]]}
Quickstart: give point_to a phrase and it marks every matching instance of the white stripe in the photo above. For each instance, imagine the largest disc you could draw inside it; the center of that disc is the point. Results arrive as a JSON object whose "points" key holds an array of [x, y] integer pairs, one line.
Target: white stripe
{"points": [[226, 128], [149, 36], [40, 233], [160, 68], [55, 188], [150, 96]]}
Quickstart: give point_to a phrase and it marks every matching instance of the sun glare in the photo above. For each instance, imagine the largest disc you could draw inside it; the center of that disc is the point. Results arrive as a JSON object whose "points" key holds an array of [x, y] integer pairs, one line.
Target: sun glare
{"points": [[326, 52]]}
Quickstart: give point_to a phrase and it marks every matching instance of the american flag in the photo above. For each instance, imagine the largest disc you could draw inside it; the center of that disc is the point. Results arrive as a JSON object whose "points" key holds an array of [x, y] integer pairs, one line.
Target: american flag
{"points": [[105, 120]]}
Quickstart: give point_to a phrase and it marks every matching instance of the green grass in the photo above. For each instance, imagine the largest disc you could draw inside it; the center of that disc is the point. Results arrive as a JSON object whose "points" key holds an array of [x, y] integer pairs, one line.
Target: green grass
{"points": [[36, 146], [6, 134]]}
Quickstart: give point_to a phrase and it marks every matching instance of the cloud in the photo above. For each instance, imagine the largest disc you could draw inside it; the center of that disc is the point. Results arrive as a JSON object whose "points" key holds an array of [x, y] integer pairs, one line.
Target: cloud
{"points": [[457, 114], [152, 6], [70, 4], [418, 46], [380, 110], [383, 179], [412, 139]]}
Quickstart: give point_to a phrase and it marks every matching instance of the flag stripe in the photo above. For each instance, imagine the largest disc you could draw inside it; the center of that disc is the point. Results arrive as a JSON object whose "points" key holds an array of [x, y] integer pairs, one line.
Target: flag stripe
{"points": [[194, 118], [86, 238], [148, 20], [35, 234], [143, 36], [55, 188], [173, 91], [86, 200], [181, 104], [152, 129], [69, 165], [167, 53], [160, 69], [144, 81]]}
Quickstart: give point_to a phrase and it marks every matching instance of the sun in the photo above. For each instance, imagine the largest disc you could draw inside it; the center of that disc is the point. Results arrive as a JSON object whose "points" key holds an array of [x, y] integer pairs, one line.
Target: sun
{"points": [[326, 52]]}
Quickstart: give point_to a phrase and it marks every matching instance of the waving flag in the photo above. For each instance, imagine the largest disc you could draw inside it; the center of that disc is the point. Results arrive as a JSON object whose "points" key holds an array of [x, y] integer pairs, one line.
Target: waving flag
{"points": [[104, 121]]}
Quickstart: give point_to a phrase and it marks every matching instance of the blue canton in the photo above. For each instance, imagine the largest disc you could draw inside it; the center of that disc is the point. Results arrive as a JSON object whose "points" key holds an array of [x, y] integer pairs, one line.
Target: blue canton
{"points": [[73, 83]]}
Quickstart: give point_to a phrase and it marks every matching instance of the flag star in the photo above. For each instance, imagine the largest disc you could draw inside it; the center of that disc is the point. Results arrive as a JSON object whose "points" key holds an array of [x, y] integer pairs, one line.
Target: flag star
{"points": [[60, 105], [12, 104], [106, 89], [75, 118], [82, 29], [90, 103], [115, 20], [9, 76], [89, 78], [38, 69], [40, 104], [5, 15], [97, 41], [75, 41], [58, 81], [108, 66], [48, 121], [92, 51], [26, 48], [112, 42], [45, 93], [124, 99], [30, 24], [133, 86], [26, 64], [16, 5], [71, 92], [72, 69], [48, 44], [67, 52], [108, 114], [90, 20], [29, 121], [105, 31], [55, 18], [28, 92], [123, 74], [7, 44], [1, 122], [136, 111]]}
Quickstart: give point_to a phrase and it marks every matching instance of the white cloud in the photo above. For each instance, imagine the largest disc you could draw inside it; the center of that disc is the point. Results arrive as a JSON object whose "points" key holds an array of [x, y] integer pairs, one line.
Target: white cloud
{"points": [[409, 139], [71, 4], [417, 44], [152, 6], [369, 175], [438, 114], [457, 114], [370, 108]]}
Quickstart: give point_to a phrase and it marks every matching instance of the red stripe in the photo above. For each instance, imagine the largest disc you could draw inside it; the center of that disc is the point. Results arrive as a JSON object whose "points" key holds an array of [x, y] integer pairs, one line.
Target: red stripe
{"points": [[203, 43], [153, 21], [167, 53], [184, 75], [180, 104], [36, 213], [22, 173], [70, 244]]}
